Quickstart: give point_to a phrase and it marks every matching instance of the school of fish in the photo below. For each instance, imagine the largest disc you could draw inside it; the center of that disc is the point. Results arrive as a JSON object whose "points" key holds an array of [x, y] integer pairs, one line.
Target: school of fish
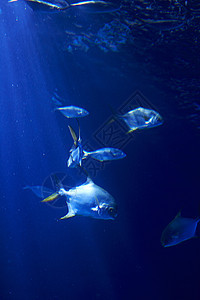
{"points": [[88, 199]]}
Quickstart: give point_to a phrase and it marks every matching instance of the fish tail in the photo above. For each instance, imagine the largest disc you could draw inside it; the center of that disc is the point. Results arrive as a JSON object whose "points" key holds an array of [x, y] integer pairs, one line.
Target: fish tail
{"points": [[85, 154]]}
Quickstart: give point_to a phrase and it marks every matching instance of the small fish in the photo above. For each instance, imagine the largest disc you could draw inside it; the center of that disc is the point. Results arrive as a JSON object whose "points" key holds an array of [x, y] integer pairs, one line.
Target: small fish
{"points": [[88, 200], [46, 6], [73, 111], [141, 118], [77, 153], [178, 230], [62, 5], [105, 154]]}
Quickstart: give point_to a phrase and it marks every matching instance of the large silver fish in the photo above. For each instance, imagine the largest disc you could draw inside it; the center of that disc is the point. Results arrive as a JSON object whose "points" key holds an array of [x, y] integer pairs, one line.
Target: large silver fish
{"points": [[88, 200], [105, 154], [178, 230], [141, 118], [73, 111]]}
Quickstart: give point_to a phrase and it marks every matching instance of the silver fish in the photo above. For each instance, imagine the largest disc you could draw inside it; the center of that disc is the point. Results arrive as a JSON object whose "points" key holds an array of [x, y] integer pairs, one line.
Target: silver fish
{"points": [[178, 230], [141, 118], [105, 154], [73, 111], [88, 200], [76, 152], [62, 5]]}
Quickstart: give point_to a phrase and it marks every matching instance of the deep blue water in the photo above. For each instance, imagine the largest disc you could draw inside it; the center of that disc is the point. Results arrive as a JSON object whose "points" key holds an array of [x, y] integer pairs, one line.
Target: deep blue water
{"points": [[44, 258]]}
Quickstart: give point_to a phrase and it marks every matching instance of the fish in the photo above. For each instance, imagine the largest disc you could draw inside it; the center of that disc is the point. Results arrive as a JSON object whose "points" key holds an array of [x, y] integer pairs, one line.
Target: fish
{"points": [[105, 154], [141, 118], [46, 6], [88, 200], [76, 152], [178, 230], [62, 5], [73, 111]]}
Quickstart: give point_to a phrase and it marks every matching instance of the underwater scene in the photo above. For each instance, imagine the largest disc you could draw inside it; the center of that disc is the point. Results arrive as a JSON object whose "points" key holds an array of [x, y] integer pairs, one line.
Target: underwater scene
{"points": [[100, 149]]}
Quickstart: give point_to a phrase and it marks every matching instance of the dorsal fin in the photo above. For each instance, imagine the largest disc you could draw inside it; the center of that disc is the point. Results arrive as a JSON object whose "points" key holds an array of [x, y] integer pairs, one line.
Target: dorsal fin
{"points": [[89, 180], [79, 131], [73, 134], [178, 214]]}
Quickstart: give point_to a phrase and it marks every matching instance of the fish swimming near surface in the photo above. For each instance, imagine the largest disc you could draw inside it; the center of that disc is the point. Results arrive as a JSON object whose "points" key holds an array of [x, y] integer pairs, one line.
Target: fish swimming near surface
{"points": [[141, 118], [105, 154], [88, 200], [178, 230], [62, 5], [73, 111]]}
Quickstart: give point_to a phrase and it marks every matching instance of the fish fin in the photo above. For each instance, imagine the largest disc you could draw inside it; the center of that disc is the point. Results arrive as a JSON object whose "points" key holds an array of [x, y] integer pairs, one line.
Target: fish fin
{"points": [[88, 180], [97, 200], [67, 216], [51, 197], [111, 121], [82, 169], [73, 134], [85, 154], [70, 213], [132, 130], [79, 131], [178, 214], [95, 208], [198, 220]]}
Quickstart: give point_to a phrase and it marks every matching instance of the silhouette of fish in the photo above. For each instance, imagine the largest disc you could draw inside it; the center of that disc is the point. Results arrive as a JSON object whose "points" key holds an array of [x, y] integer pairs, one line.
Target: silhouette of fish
{"points": [[178, 230]]}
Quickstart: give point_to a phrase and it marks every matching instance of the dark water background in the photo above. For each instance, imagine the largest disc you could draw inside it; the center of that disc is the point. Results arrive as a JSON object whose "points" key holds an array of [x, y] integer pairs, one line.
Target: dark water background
{"points": [[42, 258]]}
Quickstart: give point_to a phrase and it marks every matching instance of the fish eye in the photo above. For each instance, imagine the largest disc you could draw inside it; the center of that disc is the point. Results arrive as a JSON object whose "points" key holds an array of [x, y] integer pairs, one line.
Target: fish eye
{"points": [[112, 211]]}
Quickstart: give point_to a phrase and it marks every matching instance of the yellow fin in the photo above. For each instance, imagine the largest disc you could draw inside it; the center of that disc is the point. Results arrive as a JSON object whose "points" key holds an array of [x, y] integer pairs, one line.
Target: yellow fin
{"points": [[68, 216], [131, 130], [51, 197], [70, 213], [73, 134]]}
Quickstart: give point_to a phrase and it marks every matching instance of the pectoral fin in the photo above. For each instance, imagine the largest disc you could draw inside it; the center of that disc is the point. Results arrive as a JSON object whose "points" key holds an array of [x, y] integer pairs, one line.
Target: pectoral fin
{"points": [[51, 197]]}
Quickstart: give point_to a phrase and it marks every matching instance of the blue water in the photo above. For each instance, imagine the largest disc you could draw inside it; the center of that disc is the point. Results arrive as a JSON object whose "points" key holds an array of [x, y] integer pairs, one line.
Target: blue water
{"points": [[44, 258]]}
